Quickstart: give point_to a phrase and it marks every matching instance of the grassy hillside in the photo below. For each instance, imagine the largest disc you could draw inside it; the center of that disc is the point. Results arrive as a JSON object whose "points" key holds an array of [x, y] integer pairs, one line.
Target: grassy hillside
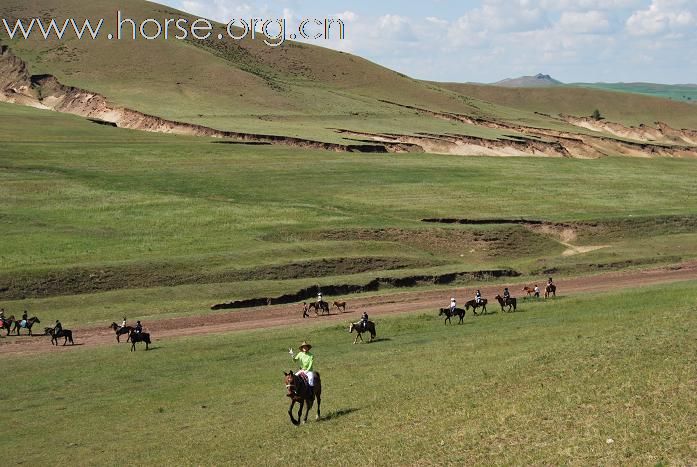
{"points": [[211, 81], [600, 379], [626, 108], [293, 90], [676, 92]]}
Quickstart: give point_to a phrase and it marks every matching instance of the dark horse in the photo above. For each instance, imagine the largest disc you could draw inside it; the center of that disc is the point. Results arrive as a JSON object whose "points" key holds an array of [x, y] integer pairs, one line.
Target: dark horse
{"points": [[66, 333], [299, 391], [29, 323], [369, 327], [473, 303], [139, 337], [449, 314], [551, 289], [319, 307], [340, 306], [7, 323], [119, 330], [510, 302]]}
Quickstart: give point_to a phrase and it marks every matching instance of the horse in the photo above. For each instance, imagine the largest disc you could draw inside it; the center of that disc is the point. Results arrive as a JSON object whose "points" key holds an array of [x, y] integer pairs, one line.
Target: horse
{"points": [[551, 289], [299, 391], [139, 337], [28, 324], [340, 306], [66, 333], [473, 303], [511, 302], [448, 314], [529, 291], [120, 330], [319, 306], [7, 323], [370, 327]]}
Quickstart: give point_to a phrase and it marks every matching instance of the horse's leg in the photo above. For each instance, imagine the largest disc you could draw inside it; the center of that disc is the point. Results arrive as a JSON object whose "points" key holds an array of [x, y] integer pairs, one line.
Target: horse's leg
{"points": [[319, 402], [300, 411], [290, 413]]}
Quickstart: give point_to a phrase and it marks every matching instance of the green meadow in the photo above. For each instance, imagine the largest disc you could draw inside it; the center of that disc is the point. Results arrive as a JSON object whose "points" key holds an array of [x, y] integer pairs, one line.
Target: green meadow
{"points": [[596, 379], [181, 223]]}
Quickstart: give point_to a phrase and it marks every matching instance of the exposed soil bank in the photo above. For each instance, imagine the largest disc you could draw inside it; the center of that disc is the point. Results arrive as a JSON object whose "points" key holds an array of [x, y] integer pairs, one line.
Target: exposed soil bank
{"points": [[450, 220], [17, 86], [661, 141], [372, 286]]}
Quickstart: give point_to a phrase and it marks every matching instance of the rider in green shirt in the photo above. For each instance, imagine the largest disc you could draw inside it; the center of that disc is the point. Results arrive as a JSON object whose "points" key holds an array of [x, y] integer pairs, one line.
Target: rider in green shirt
{"points": [[306, 361]]}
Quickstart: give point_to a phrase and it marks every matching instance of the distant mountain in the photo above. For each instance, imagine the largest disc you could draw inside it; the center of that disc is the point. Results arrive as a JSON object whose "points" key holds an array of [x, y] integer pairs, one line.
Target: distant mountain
{"points": [[537, 81]]}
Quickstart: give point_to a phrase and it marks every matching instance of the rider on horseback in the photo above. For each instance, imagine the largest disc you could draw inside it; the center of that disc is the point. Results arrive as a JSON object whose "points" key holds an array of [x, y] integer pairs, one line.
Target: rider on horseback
{"points": [[123, 323], [506, 295], [549, 282], [24, 319], [319, 297], [57, 329], [138, 328], [478, 297], [453, 304], [363, 323], [306, 360]]}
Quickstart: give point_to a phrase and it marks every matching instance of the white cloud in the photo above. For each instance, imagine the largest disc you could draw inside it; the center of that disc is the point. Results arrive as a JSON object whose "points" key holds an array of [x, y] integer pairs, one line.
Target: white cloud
{"points": [[663, 16], [584, 22]]}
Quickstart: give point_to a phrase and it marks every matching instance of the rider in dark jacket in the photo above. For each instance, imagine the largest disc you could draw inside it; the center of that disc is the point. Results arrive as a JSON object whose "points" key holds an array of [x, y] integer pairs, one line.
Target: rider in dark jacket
{"points": [[506, 294], [364, 321], [139, 328], [57, 329]]}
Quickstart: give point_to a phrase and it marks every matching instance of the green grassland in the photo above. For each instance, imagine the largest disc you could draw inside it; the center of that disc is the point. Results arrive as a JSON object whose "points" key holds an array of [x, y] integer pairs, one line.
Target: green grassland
{"points": [[676, 92], [192, 222], [548, 385]]}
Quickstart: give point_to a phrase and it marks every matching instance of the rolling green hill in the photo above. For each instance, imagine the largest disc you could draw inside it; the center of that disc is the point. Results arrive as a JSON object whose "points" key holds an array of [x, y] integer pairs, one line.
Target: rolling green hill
{"points": [[675, 92], [306, 91]]}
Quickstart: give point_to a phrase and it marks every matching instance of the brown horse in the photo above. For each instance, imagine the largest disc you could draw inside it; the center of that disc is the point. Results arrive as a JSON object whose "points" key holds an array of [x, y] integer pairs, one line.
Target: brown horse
{"points": [[66, 333], [529, 291], [448, 314], [121, 330], [340, 306], [299, 391], [7, 323], [551, 289], [511, 302], [322, 307], [473, 303], [28, 324], [370, 327]]}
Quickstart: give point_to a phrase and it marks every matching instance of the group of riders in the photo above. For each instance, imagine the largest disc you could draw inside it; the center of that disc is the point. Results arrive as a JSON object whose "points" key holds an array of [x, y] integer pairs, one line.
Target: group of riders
{"points": [[506, 295], [57, 329], [306, 359], [138, 328]]}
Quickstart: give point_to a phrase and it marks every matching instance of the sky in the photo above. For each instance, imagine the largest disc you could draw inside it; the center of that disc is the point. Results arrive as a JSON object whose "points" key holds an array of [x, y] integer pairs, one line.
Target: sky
{"points": [[489, 40]]}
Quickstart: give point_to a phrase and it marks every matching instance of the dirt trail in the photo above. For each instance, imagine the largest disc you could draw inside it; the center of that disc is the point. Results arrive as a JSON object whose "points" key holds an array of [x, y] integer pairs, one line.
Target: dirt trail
{"points": [[291, 315]]}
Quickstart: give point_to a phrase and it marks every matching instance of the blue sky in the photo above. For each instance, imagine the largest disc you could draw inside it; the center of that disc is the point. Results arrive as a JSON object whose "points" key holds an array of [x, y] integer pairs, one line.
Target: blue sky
{"points": [[488, 40]]}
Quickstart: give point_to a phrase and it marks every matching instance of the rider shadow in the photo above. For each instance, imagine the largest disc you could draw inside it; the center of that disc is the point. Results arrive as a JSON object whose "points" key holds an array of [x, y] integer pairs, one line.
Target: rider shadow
{"points": [[337, 414]]}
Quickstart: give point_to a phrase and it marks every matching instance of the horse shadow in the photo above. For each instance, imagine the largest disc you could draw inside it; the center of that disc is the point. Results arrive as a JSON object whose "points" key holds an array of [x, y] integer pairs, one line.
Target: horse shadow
{"points": [[380, 339], [337, 414]]}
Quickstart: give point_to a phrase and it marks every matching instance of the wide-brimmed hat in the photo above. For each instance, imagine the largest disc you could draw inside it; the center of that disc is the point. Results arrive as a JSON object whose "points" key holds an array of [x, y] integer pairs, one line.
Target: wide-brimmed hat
{"points": [[305, 346]]}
